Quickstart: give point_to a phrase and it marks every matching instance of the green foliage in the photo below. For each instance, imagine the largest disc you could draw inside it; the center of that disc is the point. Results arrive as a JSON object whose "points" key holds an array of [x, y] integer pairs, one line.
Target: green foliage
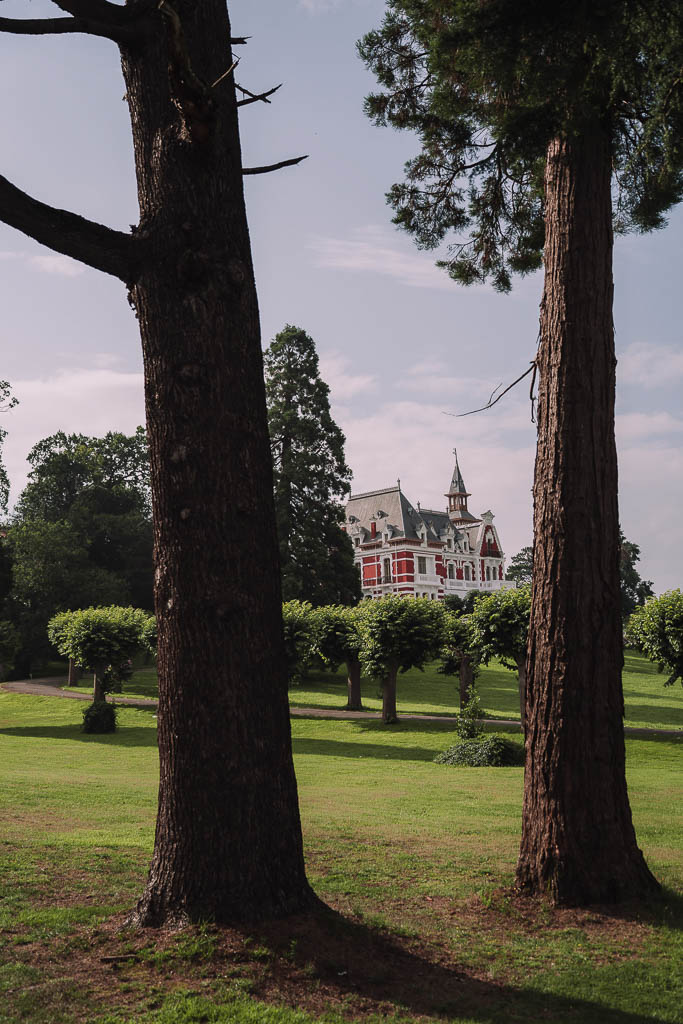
{"points": [[490, 752], [486, 86], [99, 717], [98, 637], [297, 626], [399, 632], [657, 629], [634, 590], [500, 625], [310, 475], [336, 633], [7, 401], [461, 605], [468, 725], [521, 566], [10, 642], [81, 533], [459, 641]]}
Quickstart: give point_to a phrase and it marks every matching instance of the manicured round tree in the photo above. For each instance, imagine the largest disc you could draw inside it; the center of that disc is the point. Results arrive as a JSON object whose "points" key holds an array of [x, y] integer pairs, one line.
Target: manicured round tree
{"points": [[500, 629], [459, 653], [98, 637], [297, 627], [337, 639], [657, 629], [398, 633]]}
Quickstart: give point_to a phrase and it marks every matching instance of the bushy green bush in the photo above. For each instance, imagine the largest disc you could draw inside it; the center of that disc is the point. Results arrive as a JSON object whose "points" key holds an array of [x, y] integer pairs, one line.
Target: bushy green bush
{"points": [[468, 724], [483, 752], [99, 717]]}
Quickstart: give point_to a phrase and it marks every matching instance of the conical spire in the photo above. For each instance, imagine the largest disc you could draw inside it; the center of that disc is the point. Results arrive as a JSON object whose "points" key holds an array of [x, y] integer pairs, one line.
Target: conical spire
{"points": [[457, 497], [457, 482]]}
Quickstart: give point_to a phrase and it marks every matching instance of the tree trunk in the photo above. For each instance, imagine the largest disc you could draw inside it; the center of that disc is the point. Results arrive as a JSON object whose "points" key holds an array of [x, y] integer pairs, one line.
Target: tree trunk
{"points": [[521, 674], [75, 673], [578, 841], [354, 702], [228, 841], [389, 715], [98, 691], [466, 679]]}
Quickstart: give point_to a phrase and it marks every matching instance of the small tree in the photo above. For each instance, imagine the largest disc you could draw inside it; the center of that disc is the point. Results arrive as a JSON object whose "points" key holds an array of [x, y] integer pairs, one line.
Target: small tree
{"points": [[398, 633], [298, 633], [500, 627], [657, 629], [634, 589], [459, 654], [98, 637], [521, 566], [337, 638]]}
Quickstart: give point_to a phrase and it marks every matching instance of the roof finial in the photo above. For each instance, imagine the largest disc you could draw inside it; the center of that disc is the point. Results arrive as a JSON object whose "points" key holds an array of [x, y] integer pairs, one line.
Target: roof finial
{"points": [[398, 483]]}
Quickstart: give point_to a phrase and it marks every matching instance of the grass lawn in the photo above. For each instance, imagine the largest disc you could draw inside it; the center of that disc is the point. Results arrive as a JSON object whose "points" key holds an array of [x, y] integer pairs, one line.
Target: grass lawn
{"points": [[415, 858], [647, 701]]}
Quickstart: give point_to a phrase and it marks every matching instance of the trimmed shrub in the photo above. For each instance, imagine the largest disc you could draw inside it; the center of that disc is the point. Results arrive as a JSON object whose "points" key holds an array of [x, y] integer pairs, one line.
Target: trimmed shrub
{"points": [[491, 752], [99, 717]]}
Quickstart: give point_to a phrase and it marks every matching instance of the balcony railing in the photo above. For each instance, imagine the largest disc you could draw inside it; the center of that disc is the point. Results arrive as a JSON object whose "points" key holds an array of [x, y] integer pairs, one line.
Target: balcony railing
{"points": [[425, 577]]}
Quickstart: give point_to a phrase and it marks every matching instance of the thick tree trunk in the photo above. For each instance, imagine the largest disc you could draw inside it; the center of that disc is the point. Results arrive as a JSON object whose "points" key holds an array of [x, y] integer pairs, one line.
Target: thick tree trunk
{"points": [[389, 715], [354, 702], [578, 842], [228, 841], [521, 675], [466, 679]]}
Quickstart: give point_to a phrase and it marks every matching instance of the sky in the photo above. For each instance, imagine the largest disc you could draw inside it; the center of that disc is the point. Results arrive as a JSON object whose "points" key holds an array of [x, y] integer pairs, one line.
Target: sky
{"points": [[402, 348]]}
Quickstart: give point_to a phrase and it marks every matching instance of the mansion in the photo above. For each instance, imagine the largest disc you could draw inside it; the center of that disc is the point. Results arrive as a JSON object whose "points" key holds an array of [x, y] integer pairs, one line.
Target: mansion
{"points": [[401, 548]]}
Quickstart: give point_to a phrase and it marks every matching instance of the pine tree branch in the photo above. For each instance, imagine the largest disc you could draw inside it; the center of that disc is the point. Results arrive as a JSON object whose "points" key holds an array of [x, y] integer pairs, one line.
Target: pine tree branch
{"points": [[255, 97], [102, 248], [274, 167]]}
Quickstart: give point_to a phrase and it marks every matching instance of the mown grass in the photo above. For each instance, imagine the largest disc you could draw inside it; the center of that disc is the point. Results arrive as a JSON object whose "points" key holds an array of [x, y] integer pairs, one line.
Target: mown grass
{"points": [[648, 703], [415, 856]]}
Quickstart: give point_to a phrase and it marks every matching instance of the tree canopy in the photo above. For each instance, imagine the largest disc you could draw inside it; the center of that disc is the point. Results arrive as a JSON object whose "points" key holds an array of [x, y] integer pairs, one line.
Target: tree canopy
{"points": [[657, 629], [634, 590], [486, 86], [311, 476], [521, 566]]}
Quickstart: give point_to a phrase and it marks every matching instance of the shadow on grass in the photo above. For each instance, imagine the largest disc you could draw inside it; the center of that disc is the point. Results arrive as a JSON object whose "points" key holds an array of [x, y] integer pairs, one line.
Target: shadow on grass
{"points": [[347, 748], [664, 718], [123, 737], [352, 960]]}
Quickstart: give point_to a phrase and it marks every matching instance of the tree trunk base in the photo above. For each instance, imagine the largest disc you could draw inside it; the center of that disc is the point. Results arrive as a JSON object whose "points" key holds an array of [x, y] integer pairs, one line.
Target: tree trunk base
{"points": [[156, 908], [565, 886]]}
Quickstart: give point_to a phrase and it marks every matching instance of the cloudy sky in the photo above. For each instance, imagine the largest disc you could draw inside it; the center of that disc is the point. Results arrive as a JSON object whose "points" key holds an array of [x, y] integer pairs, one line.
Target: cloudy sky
{"points": [[400, 345]]}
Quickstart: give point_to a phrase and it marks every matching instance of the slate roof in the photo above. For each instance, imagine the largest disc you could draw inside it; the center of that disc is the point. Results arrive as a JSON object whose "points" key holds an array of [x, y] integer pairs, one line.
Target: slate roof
{"points": [[390, 509]]}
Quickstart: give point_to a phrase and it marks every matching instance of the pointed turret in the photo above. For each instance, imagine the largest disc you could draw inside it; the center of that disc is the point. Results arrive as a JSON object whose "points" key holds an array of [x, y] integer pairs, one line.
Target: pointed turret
{"points": [[457, 495]]}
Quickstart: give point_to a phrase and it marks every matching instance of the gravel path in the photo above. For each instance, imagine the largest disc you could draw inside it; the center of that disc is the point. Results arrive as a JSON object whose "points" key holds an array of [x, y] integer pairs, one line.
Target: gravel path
{"points": [[51, 687]]}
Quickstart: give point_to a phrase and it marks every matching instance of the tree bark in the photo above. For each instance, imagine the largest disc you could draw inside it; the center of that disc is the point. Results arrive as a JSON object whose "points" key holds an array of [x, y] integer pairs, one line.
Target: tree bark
{"points": [[578, 842], [521, 675], [389, 716], [466, 679], [75, 673], [98, 691], [228, 839], [354, 702]]}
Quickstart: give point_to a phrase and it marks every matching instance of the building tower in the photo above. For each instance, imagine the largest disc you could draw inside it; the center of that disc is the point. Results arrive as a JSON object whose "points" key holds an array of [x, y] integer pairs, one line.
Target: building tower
{"points": [[457, 495]]}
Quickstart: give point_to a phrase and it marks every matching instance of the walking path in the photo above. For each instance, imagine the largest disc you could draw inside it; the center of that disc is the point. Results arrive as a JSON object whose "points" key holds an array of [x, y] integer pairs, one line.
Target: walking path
{"points": [[51, 687]]}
